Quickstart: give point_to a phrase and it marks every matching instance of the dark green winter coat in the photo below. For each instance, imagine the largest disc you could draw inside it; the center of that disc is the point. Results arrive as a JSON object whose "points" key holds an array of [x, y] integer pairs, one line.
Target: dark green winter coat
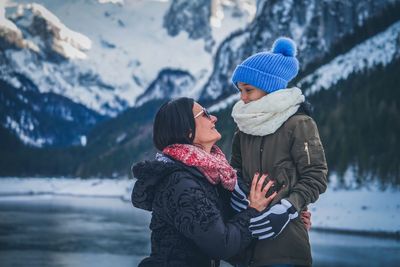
{"points": [[294, 158]]}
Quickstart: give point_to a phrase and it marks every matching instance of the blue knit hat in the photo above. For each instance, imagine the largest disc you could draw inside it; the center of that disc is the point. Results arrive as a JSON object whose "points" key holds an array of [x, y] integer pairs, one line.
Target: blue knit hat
{"points": [[269, 71]]}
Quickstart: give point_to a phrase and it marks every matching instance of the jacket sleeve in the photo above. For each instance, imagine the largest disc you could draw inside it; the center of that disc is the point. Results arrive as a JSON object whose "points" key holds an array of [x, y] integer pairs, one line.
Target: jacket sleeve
{"points": [[198, 218], [309, 157], [236, 157], [236, 162]]}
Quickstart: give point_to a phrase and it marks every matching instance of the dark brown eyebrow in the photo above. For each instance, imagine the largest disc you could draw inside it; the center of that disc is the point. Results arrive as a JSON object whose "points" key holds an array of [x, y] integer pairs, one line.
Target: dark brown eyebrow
{"points": [[245, 86]]}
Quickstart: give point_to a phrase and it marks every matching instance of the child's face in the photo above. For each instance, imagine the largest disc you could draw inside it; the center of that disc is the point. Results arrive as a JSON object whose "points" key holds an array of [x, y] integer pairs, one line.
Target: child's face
{"points": [[250, 93]]}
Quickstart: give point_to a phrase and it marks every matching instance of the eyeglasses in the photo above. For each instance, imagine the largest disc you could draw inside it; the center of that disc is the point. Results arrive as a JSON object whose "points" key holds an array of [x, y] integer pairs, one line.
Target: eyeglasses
{"points": [[203, 112]]}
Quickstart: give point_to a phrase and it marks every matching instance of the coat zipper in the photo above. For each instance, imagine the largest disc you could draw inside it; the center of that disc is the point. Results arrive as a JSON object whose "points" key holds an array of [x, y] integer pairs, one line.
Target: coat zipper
{"points": [[261, 154], [308, 152]]}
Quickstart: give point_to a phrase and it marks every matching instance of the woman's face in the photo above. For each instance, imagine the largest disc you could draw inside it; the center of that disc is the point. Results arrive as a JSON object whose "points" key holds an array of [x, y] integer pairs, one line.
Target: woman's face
{"points": [[249, 93], [206, 133]]}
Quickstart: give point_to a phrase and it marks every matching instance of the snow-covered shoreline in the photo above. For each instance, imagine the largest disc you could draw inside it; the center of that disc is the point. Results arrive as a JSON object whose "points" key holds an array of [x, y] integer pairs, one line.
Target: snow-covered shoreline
{"points": [[363, 211], [114, 188]]}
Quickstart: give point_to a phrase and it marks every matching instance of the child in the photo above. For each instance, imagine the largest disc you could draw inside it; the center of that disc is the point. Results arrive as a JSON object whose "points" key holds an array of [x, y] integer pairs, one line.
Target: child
{"points": [[277, 136]]}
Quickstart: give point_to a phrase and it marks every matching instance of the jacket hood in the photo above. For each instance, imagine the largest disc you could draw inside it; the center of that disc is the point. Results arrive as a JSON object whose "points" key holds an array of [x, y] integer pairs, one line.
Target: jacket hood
{"points": [[149, 174]]}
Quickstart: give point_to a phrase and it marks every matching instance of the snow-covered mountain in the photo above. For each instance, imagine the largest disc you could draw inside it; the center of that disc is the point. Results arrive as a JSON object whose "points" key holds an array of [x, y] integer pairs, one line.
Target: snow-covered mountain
{"points": [[322, 30], [103, 55], [378, 50], [122, 59], [126, 46], [44, 119]]}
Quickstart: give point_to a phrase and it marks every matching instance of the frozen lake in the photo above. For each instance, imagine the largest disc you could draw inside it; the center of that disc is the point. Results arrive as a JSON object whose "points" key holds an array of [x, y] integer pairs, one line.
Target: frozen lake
{"points": [[80, 231]]}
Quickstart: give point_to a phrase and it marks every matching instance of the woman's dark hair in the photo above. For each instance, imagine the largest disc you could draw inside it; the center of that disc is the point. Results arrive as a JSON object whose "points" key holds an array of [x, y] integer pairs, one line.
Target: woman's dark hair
{"points": [[174, 123]]}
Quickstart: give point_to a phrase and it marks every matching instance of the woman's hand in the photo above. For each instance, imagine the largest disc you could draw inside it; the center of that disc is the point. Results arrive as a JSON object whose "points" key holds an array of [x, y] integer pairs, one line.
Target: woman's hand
{"points": [[257, 197], [306, 219]]}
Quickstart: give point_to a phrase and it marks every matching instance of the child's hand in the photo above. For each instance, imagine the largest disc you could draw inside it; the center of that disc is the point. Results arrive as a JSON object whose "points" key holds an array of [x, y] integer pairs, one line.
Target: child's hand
{"points": [[306, 219]]}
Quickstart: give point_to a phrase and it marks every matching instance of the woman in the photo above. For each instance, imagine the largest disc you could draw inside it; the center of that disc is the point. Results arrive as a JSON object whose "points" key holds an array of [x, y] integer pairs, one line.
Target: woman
{"points": [[277, 136], [188, 187]]}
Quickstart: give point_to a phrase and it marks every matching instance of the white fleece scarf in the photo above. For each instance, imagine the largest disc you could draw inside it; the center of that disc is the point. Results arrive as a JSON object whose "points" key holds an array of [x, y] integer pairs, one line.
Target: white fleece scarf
{"points": [[265, 115]]}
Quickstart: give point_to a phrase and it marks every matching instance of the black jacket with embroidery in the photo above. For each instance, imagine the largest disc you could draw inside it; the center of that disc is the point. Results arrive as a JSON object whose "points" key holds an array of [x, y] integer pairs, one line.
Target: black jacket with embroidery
{"points": [[192, 223]]}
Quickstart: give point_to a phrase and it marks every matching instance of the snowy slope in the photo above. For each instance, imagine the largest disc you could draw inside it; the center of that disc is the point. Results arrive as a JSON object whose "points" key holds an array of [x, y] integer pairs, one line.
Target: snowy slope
{"points": [[378, 50]]}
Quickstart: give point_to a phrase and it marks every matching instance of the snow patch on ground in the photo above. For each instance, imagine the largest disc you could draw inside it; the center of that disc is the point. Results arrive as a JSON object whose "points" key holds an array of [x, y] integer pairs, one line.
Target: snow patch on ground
{"points": [[116, 188], [358, 210]]}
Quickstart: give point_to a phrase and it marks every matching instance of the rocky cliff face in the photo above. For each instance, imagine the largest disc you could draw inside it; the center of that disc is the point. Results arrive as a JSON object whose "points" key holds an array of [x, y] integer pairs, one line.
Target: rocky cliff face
{"points": [[34, 69], [168, 84], [192, 17]]}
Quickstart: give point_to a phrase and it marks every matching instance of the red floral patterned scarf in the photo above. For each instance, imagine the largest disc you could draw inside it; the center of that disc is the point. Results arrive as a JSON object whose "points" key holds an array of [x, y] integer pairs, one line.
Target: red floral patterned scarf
{"points": [[213, 166]]}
